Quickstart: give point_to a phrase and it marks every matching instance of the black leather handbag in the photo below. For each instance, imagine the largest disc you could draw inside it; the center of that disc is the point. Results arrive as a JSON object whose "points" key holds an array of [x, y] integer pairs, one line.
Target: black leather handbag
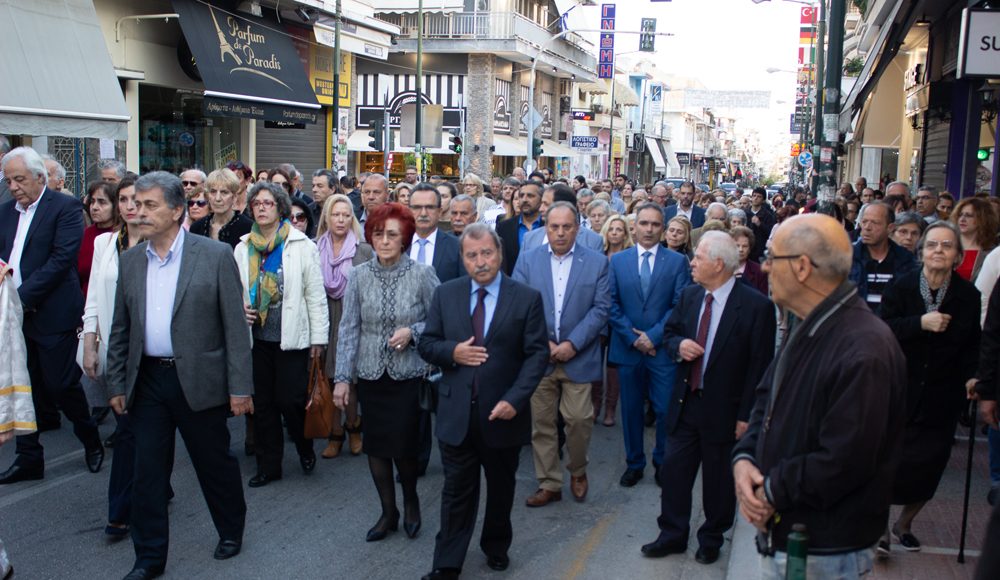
{"points": [[428, 395]]}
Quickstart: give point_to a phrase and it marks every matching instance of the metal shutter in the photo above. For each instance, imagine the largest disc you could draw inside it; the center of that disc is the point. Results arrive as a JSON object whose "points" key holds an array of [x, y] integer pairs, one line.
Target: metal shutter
{"points": [[935, 154], [303, 148]]}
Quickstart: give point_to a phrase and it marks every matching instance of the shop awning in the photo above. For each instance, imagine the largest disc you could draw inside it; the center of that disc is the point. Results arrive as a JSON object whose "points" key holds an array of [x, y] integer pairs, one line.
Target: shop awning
{"points": [[354, 38], [890, 39], [412, 5], [551, 148], [624, 95], [249, 65], [57, 76], [507, 146], [654, 151], [673, 166]]}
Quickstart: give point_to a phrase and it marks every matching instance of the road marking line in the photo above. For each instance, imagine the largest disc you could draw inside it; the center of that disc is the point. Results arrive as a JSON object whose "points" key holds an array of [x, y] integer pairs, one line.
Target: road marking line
{"points": [[38, 488], [947, 552], [594, 539]]}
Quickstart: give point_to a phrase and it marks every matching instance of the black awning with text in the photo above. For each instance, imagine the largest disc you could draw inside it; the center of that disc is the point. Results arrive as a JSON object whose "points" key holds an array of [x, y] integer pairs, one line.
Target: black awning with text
{"points": [[249, 65]]}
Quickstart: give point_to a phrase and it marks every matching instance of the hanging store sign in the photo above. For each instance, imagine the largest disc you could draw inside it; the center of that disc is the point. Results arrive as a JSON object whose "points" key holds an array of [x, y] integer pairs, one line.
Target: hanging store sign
{"points": [[979, 44], [606, 48], [501, 107]]}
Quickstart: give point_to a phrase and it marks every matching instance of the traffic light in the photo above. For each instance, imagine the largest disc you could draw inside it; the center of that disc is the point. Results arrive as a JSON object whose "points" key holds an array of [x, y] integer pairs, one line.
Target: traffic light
{"points": [[456, 141], [983, 154], [536, 148], [376, 134]]}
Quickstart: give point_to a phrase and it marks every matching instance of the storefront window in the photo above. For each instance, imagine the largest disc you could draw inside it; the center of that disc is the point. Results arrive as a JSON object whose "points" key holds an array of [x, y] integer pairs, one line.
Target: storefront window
{"points": [[176, 135]]}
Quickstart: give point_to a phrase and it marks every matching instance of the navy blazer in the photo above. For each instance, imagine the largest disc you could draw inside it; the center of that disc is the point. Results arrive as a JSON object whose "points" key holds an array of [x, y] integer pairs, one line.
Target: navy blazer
{"points": [[629, 309], [741, 352], [447, 259], [50, 286], [585, 306], [697, 215], [518, 354]]}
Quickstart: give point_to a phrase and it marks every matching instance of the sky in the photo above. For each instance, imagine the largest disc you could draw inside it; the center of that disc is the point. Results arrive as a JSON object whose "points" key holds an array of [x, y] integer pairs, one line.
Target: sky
{"points": [[727, 44]]}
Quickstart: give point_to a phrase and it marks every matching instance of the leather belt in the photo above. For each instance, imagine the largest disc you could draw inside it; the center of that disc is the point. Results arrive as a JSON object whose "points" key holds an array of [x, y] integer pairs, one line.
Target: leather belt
{"points": [[160, 361]]}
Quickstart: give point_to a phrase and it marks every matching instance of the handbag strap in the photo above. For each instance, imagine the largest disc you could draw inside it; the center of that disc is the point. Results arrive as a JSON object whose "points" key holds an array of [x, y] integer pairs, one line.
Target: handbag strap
{"points": [[315, 372]]}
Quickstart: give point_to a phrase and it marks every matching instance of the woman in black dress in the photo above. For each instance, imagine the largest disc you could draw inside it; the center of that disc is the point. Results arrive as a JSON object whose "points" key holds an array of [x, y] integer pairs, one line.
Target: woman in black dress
{"points": [[934, 314]]}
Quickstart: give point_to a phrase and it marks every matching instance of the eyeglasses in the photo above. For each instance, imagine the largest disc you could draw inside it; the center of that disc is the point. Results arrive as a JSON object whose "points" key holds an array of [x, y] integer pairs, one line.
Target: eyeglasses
{"points": [[769, 258], [944, 245], [190, 183], [420, 208], [262, 203], [197, 202], [297, 217]]}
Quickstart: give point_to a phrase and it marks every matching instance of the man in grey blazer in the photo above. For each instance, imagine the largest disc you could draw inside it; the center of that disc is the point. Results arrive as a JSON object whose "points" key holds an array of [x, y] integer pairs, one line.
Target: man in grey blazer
{"points": [[573, 281], [179, 359]]}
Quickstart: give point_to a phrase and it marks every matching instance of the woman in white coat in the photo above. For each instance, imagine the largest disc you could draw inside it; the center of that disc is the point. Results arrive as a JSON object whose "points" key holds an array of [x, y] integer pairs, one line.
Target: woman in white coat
{"points": [[97, 316], [285, 303]]}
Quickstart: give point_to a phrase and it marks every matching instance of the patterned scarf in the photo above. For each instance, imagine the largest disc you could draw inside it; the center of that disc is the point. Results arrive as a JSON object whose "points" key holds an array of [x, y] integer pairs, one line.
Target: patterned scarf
{"points": [[265, 259], [932, 303]]}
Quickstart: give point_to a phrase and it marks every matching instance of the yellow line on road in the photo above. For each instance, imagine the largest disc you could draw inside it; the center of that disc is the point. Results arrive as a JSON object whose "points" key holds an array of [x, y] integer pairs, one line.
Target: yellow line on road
{"points": [[594, 539]]}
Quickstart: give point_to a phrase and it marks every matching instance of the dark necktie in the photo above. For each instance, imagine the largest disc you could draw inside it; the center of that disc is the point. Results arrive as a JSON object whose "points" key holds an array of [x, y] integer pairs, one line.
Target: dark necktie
{"points": [[479, 330], [702, 339]]}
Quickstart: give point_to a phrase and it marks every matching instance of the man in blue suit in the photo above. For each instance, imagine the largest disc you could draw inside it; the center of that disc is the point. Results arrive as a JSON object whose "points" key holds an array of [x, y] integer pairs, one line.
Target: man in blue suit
{"points": [[646, 283], [40, 235], [685, 206], [574, 285]]}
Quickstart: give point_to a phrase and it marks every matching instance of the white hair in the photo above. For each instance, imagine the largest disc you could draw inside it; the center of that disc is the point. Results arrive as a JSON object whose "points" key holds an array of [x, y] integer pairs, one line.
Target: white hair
{"points": [[118, 166], [31, 159], [721, 246], [60, 170]]}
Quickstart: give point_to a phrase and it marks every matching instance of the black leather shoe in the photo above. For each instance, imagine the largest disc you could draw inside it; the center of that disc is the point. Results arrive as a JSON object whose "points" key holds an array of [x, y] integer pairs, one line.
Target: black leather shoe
{"points": [[262, 479], [498, 563], [630, 477], [660, 548], [144, 573], [411, 520], [382, 527], [227, 549], [9, 574], [308, 462], [110, 441], [411, 529], [95, 457], [18, 473], [441, 574], [706, 555]]}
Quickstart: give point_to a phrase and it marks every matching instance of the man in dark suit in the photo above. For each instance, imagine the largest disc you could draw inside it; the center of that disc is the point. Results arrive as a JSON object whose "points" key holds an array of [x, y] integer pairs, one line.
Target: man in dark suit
{"points": [[685, 206], [646, 283], [574, 285], [487, 333], [349, 184], [40, 235], [762, 221], [513, 230], [722, 335], [179, 359]]}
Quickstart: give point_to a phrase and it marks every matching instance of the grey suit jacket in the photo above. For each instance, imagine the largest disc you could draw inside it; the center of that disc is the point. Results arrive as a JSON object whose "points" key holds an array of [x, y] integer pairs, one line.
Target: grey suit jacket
{"points": [[209, 332]]}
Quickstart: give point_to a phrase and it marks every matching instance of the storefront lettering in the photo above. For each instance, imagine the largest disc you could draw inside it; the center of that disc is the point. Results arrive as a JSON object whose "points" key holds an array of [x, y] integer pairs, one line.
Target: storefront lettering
{"points": [[244, 39], [246, 35], [989, 43]]}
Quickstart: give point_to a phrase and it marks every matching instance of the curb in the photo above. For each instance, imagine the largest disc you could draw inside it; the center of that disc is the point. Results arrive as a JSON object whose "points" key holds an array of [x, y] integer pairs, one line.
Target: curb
{"points": [[744, 562]]}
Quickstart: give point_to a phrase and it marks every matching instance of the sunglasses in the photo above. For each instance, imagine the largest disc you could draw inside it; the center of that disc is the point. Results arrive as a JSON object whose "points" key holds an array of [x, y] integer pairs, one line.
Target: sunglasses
{"points": [[297, 217], [190, 183], [197, 202]]}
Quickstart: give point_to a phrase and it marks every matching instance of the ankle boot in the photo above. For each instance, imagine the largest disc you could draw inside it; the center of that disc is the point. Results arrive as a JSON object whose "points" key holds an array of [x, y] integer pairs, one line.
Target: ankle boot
{"points": [[354, 436], [333, 446]]}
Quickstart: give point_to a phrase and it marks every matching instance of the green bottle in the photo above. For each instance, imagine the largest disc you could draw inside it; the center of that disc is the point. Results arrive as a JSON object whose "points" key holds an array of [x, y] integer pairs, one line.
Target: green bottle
{"points": [[798, 548]]}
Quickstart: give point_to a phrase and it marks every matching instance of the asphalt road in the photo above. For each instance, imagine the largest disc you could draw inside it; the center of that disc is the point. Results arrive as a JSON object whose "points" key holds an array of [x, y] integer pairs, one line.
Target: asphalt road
{"points": [[314, 526]]}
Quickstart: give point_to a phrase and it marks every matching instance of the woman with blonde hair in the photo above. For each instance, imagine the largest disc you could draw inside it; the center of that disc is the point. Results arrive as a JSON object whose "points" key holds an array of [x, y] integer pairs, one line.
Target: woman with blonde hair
{"points": [[341, 249], [472, 186], [677, 236]]}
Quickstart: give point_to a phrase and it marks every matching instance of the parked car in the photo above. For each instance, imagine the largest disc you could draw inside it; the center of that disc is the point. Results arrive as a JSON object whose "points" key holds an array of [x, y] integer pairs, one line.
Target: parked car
{"points": [[728, 186]]}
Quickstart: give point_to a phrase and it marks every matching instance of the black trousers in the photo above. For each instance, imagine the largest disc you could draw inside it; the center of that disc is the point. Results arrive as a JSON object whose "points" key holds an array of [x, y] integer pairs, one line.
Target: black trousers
{"points": [[460, 497], [159, 410], [55, 377], [280, 380], [426, 442], [686, 449]]}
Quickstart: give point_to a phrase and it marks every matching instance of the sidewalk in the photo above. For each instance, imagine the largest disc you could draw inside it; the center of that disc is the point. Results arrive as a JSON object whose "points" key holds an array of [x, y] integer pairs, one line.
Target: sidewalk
{"points": [[938, 527]]}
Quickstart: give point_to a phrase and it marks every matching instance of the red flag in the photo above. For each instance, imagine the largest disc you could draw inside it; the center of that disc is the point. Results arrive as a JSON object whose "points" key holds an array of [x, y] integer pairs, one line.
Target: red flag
{"points": [[807, 15]]}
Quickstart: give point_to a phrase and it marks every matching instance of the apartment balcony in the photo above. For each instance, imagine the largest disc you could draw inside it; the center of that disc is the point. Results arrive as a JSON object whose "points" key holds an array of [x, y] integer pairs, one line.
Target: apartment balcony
{"points": [[506, 34]]}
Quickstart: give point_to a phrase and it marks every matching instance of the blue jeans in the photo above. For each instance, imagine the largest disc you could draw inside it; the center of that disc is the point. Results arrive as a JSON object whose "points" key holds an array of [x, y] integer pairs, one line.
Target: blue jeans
{"points": [[839, 567], [993, 436]]}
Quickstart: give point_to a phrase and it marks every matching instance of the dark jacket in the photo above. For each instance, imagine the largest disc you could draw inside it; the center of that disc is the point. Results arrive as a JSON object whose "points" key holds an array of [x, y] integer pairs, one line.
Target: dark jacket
{"points": [[903, 262], [761, 232], [230, 233], [754, 277], [50, 286], [827, 428], [741, 351], [988, 374], [937, 364], [507, 230], [447, 260]]}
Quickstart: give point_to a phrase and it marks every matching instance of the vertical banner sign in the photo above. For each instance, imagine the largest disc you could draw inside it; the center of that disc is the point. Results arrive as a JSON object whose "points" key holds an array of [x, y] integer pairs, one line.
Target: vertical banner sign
{"points": [[646, 39], [606, 60]]}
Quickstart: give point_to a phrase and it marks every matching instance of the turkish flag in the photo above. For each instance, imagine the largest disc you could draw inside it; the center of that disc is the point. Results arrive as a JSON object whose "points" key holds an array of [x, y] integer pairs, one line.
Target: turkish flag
{"points": [[807, 15]]}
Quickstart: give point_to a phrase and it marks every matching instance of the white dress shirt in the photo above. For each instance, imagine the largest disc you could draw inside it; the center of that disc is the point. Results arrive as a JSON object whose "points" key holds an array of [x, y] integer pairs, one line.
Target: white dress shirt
{"points": [[561, 266], [719, 298], [23, 224], [428, 249], [652, 259], [686, 213], [161, 289]]}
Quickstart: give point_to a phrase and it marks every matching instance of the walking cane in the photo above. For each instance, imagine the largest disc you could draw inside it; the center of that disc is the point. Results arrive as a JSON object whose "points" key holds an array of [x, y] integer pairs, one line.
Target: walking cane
{"points": [[973, 411]]}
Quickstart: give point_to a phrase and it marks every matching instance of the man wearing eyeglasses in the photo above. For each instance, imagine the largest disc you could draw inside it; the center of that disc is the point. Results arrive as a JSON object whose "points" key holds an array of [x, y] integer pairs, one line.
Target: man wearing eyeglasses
{"points": [[877, 259], [411, 175], [191, 179], [826, 430], [927, 200]]}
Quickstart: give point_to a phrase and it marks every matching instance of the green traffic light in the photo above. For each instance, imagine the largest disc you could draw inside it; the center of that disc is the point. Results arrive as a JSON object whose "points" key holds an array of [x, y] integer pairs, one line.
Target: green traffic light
{"points": [[983, 154]]}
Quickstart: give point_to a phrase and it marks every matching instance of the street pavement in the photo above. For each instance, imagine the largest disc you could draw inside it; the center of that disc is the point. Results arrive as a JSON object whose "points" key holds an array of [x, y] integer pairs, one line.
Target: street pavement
{"points": [[314, 526]]}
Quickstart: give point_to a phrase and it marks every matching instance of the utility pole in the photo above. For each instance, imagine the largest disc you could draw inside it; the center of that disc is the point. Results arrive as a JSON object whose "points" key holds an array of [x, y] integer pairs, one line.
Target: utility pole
{"points": [[611, 124], [820, 69], [417, 149], [831, 107], [335, 109]]}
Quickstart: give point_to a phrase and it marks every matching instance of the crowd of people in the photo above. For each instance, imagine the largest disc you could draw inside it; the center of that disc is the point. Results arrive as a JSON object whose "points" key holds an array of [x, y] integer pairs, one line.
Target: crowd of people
{"points": [[813, 362]]}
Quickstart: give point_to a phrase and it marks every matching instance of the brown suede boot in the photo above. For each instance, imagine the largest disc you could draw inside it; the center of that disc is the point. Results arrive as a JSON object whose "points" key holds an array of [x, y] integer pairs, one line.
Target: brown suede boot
{"points": [[333, 446], [354, 437]]}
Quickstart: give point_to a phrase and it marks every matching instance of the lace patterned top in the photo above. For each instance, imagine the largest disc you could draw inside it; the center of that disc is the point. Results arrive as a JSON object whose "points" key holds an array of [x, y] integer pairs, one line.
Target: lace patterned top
{"points": [[378, 300]]}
